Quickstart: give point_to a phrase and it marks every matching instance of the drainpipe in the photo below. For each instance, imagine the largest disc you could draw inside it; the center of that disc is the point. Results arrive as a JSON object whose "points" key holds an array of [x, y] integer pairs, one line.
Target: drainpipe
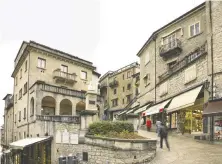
{"points": [[212, 69], [154, 39]]}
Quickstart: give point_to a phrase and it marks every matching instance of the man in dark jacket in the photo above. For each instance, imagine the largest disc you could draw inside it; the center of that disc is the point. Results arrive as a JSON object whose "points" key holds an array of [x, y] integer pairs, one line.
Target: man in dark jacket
{"points": [[163, 135]]}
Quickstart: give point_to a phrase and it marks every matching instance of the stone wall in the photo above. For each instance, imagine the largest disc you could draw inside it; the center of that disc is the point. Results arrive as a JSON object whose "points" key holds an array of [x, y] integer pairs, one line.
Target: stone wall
{"points": [[114, 151]]}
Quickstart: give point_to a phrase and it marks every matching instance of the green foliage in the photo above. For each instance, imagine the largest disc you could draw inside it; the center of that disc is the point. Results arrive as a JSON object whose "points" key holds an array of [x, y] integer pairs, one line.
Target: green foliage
{"points": [[106, 127]]}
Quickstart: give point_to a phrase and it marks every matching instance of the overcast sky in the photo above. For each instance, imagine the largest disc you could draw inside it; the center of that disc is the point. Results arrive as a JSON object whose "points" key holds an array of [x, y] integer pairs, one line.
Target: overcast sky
{"points": [[107, 32]]}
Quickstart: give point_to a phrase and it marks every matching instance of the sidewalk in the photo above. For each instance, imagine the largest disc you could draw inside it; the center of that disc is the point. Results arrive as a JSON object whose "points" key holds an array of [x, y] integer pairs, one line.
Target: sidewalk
{"points": [[185, 150]]}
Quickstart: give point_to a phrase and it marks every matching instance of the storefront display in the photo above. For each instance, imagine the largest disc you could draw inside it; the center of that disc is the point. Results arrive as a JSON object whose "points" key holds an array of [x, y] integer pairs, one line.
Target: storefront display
{"points": [[218, 128]]}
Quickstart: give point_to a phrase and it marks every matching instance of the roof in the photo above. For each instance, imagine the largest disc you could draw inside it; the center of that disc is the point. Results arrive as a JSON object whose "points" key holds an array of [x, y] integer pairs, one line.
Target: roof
{"points": [[154, 34], [96, 73], [7, 96], [20, 144], [42, 47], [213, 108]]}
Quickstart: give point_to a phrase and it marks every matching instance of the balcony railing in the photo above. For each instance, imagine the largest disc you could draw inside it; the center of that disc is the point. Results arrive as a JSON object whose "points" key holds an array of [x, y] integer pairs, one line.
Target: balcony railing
{"points": [[103, 85], [170, 48], [62, 77], [183, 63], [64, 91], [114, 83], [65, 119]]}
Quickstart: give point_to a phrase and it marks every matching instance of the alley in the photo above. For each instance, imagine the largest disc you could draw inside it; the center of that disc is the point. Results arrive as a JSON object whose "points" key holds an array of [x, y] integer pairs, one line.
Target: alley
{"points": [[186, 151]]}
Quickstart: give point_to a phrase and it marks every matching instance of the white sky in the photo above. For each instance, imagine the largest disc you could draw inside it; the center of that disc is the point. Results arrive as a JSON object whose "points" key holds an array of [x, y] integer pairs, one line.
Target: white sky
{"points": [[107, 32]]}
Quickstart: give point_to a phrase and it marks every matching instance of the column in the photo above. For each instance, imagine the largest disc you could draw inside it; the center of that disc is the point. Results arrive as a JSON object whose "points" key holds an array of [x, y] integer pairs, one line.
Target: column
{"points": [[57, 108], [73, 108]]}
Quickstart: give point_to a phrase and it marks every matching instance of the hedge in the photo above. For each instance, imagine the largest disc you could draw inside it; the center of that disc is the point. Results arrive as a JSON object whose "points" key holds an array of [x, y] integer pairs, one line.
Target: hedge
{"points": [[105, 127]]}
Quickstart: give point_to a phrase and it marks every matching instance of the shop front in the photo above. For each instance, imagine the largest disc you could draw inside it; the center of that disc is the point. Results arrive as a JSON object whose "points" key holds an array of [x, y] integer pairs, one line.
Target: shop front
{"points": [[185, 111], [31, 151], [213, 114]]}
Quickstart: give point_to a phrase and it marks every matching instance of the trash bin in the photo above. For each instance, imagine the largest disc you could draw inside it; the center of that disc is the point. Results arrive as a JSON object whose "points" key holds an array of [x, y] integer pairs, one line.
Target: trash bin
{"points": [[62, 160]]}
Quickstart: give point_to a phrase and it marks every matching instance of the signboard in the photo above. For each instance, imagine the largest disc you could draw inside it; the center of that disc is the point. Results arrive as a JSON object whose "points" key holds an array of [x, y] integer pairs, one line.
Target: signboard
{"points": [[74, 138]]}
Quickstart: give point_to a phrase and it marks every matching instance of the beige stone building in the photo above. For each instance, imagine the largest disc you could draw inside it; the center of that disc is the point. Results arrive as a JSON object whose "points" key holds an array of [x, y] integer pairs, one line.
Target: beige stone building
{"points": [[174, 71], [118, 88], [51, 89]]}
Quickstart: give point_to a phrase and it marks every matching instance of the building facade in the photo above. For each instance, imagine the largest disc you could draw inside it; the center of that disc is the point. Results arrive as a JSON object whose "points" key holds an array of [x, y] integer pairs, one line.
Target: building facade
{"points": [[174, 67], [118, 88], [50, 93]]}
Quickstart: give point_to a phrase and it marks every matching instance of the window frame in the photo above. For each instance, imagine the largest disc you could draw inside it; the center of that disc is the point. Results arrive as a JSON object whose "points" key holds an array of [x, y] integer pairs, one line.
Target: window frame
{"points": [[20, 116], [40, 65], [26, 65], [195, 31], [85, 74], [20, 93], [115, 91], [129, 86], [129, 74], [64, 66], [25, 88], [24, 114]]}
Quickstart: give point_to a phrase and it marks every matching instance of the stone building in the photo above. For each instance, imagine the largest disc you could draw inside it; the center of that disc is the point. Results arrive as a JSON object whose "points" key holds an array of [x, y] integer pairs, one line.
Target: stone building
{"points": [[174, 72], [8, 120], [118, 89], [51, 90]]}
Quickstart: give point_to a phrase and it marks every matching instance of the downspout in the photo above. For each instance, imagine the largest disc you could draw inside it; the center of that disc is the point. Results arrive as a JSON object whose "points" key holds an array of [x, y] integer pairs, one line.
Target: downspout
{"points": [[212, 69], [212, 59]]}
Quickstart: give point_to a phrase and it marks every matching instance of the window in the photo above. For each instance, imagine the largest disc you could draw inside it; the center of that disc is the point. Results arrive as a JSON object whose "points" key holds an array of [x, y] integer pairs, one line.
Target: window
{"points": [[25, 88], [164, 88], [24, 135], [32, 107], [85, 156], [20, 115], [123, 89], [195, 29], [16, 80], [128, 98], [128, 86], [128, 74], [114, 91], [20, 73], [147, 58], [16, 98], [146, 79], [169, 41], [15, 118], [137, 91], [123, 76], [26, 65], [20, 93], [83, 75], [115, 102], [41, 63], [190, 74], [24, 117], [123, 101], [64, 68]]}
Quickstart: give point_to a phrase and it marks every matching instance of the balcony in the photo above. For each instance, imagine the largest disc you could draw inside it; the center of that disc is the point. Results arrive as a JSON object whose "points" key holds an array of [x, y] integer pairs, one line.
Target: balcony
{"points": [[9, 103], [113, 84], [64, 77], [171, 48], [63, 119], [103, 85]]}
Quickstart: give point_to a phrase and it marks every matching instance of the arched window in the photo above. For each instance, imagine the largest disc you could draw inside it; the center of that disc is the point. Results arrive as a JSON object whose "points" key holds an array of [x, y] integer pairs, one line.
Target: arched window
{"points": [[32, 107]]}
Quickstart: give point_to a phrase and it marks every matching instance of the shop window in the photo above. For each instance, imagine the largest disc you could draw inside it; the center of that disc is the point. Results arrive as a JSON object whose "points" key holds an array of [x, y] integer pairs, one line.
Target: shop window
{"points": [[115, 102], [20, 93]]}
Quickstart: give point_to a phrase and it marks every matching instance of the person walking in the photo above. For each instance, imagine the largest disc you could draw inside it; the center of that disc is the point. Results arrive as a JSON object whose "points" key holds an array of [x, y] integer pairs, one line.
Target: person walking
{"points": [[163, 136], [148, 124], [158, 123]]}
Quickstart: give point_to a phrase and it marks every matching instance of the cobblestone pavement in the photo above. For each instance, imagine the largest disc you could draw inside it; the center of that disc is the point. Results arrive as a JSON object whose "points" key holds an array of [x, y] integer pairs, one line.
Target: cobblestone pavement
{"points": [[185, 151]]}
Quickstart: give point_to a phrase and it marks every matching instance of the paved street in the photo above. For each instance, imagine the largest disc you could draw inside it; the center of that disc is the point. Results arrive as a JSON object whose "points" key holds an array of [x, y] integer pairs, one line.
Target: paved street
{"points": [[186, 151]]}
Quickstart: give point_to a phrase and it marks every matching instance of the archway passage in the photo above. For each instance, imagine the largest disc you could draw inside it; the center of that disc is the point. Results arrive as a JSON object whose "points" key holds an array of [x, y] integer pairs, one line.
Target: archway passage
{"points": [[65, 107], [80, 106], [48, 106]]}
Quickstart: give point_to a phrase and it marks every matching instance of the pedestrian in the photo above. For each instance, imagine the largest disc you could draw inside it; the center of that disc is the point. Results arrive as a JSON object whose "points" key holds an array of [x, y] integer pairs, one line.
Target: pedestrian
{"points": [[163, 136], [148, 124], [158, 123]]}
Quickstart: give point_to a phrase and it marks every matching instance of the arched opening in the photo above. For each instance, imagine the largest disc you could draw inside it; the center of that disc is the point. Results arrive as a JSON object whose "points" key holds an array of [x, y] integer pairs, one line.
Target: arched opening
{"points": [[65, 107], [80, 106], [48, 106], [32, 107]]}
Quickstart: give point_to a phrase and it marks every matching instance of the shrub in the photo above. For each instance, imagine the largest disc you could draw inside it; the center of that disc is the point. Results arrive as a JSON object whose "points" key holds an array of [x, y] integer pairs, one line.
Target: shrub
{"points": [[106, 127]]}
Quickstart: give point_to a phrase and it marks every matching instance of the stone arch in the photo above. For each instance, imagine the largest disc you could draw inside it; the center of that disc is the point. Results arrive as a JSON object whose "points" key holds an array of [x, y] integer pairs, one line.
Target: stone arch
{"points": [[32, 106], [80, 106], [48, 106], [65, 107]]}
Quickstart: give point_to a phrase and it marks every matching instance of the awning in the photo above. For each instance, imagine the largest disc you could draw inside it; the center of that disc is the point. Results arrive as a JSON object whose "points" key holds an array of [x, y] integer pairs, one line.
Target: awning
{"points": [[122, 112], [213, 108], [129, 111], [184, 100], [156, 108], [141, 109], [20, 144]]}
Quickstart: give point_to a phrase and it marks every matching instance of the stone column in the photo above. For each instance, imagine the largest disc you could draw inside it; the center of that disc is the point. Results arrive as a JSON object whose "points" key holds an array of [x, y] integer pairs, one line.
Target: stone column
{"points": [[73, 109], [57, 107]]}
